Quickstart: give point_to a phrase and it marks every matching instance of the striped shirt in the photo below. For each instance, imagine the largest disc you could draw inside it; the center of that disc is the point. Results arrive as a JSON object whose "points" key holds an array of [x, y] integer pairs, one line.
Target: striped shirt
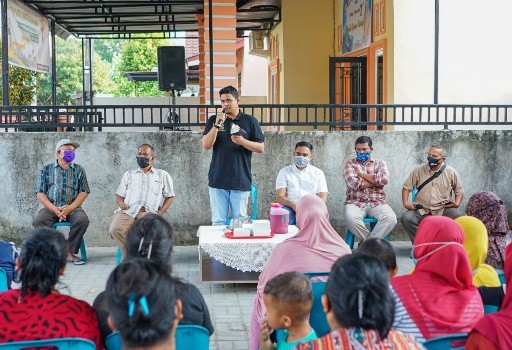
{"points": [[373, 196], [62, 186], [146, 190], [403, 321]]}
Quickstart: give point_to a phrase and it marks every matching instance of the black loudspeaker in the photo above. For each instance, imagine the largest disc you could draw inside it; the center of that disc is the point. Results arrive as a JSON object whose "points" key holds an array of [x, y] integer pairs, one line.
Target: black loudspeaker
{"points": [[171, 68]]}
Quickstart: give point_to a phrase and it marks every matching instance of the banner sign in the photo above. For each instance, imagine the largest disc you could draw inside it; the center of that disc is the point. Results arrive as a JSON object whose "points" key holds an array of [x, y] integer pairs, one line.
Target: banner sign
{"points": [[357, 25], [29, 38]]}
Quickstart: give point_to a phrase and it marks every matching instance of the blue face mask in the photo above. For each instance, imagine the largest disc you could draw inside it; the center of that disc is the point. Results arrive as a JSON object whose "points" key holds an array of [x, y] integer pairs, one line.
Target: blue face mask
{"points": [[363, 156], [301, 161]]}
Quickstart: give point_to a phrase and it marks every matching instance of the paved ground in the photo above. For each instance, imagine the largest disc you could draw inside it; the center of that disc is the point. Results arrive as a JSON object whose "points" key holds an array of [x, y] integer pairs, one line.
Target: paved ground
{"points": [[230, 304]]}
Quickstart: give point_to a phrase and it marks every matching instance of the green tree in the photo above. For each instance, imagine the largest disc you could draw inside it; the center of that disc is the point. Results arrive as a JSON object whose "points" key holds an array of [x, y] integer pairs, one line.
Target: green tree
{"points": [[69, 74], [21, 85], [108, 49], [138, 55]]}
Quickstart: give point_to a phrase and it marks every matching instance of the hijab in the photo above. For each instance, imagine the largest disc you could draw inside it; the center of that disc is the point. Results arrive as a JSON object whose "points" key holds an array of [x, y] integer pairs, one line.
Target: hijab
{"points": [[488, 207], [497, 326], [314, 248], [439, 295], [476, 244]]}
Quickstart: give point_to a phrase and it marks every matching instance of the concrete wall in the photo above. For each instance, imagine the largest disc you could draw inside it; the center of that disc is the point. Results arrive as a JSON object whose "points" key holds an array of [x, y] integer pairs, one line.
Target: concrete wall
{"points": [[482, 159]]}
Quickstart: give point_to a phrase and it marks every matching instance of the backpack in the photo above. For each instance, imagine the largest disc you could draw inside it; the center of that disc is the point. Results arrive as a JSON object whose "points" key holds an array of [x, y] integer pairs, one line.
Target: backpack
{"points": [[8, 255]]}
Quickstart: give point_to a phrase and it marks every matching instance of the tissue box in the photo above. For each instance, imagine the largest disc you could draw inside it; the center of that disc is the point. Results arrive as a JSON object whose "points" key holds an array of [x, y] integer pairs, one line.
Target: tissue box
{"points": [[261, 227], [241, 232]]}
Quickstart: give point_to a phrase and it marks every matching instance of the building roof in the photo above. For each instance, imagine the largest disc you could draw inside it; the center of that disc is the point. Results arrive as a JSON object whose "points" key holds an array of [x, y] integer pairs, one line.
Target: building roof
{"points": [[127, 18]]}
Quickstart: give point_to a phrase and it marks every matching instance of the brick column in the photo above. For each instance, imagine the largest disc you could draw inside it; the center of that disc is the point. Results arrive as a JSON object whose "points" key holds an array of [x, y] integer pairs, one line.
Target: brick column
{"points": [[224, 48]]}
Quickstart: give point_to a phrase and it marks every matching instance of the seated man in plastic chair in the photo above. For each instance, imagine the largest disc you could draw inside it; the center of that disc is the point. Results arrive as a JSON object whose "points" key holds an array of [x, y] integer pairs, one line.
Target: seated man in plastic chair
{"points": [[299, 179], [439, 191], [142, 190], [62, 188], [366, 177]]}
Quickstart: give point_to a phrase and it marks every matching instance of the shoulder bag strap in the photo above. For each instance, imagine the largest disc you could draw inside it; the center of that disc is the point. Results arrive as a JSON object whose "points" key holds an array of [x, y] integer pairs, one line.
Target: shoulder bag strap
{"points": [[436, 174]]}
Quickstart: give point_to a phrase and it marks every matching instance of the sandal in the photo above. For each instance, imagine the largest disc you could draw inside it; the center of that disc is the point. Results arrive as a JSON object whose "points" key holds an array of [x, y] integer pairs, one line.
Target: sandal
{"points": [[76, 260]]}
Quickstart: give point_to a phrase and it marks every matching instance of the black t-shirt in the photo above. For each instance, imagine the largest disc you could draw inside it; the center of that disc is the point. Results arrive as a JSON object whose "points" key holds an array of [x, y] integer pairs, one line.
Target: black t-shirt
{"points": [[230, 168]]}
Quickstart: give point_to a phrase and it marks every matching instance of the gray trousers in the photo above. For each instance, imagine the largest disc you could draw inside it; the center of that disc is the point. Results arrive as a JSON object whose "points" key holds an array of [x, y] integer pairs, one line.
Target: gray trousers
{"points": [[383, 213], [412, 218], [79, 223]]}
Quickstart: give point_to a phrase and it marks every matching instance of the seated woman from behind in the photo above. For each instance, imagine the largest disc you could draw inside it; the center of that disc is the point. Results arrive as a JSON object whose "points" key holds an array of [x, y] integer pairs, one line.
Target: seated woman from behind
{"points": [[38, 310], [142, 305], [151, 237], [359, 308], [314, 248], [494, 331], [488, 208], [476, 244], [439, 297]]}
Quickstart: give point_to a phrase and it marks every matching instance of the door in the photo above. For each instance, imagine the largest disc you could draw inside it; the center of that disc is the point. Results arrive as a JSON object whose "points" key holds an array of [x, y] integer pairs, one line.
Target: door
{"points": [[347, 85]]}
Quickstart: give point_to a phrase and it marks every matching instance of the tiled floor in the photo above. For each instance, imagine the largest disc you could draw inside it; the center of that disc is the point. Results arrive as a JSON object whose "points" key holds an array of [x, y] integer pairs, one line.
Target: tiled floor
{"points": [[230, 304]]}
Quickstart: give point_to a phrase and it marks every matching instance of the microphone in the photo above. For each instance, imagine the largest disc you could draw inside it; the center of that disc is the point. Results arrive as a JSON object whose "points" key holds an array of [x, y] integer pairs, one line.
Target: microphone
{"points": [[221, 122]]}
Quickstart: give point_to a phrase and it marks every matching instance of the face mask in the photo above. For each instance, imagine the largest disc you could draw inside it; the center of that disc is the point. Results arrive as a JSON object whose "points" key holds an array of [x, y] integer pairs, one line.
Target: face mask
{"points": [[143, 162], [432, 162], [442, 245], [363, 156], [301, 161], [68, 156]]}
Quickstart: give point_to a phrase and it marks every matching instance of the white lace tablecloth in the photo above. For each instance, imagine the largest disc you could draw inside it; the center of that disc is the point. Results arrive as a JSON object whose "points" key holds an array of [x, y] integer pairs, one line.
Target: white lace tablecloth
{"points": [[241, 254]]}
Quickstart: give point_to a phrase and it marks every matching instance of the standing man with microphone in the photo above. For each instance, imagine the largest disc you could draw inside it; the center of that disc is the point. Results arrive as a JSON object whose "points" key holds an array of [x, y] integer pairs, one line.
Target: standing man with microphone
{"points": [[234, 136]]}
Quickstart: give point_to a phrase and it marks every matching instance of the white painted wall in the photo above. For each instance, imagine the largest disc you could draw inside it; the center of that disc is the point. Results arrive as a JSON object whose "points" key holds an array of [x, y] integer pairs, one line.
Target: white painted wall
{"points": [[255, 74], [474, 52]]}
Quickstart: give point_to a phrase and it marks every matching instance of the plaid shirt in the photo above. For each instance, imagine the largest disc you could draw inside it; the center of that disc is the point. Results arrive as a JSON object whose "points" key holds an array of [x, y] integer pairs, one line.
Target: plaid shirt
{"points": [[373, 195], [62, 186]]}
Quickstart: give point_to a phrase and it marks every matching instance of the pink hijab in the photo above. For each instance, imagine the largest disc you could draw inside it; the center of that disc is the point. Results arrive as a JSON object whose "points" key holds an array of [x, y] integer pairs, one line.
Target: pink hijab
{"points": [[314, 248], [439, 295], [497, 326]]}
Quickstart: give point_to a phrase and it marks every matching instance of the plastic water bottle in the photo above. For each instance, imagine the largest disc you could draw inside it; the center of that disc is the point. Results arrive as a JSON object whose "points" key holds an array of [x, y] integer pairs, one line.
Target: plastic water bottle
{"points": [[279, 218]]}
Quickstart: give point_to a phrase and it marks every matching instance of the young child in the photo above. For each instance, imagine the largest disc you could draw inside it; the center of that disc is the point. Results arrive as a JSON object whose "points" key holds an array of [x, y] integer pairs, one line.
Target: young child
{"points": [[382, 250], [288, 299]]}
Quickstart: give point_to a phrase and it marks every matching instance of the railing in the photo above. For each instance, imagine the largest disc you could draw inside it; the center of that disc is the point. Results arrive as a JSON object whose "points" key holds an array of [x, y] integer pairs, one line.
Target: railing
{"points": [[277, 117]]}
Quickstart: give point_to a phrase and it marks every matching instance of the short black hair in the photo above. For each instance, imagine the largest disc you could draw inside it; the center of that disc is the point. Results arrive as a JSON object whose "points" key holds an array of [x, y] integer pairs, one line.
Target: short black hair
{"points": [[150, 237], [304, 144], [229, 90], [43, 255], [381, 249], [364, 139], [292, 292], [130, 283], [361, 275]]}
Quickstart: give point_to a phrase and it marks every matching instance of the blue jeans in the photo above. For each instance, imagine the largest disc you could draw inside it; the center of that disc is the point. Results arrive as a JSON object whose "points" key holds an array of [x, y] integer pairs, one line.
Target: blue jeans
{"points": [[223, 200], [291, 220]]}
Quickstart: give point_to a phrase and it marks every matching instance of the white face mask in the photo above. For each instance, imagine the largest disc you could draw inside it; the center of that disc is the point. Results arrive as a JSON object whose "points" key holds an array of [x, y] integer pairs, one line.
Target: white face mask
{"points": [[301, 161], [442, 245]]}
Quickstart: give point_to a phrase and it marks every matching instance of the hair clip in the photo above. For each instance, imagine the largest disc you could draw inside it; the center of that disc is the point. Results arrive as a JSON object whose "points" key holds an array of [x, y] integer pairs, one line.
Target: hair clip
{"points": [[131, 304], [140, 245], [149, 249], [143, 302], [360, 300]]}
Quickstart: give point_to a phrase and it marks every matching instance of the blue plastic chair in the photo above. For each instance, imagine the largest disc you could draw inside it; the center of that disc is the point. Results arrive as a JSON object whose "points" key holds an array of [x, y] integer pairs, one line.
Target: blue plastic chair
{"points": [[489, 309], [192, 337], [501, 276], [113, 341], [119, 256], [447, 342], [83, 252], [350, 238], [61, 344], [3, 280], [317, 318], [254, 195]]}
